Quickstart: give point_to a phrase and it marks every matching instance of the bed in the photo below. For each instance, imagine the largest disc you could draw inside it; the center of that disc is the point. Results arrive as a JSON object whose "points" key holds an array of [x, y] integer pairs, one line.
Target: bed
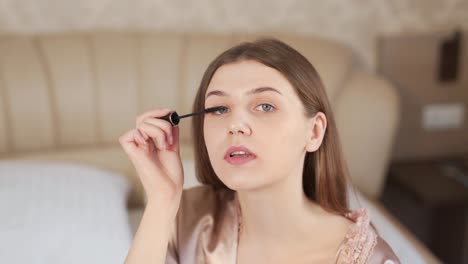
{"points": [[68, 192]]}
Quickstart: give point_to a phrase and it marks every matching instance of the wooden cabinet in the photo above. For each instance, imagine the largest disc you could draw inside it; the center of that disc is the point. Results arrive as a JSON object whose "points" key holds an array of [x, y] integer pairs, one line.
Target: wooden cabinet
{"points": [[430, 197]]}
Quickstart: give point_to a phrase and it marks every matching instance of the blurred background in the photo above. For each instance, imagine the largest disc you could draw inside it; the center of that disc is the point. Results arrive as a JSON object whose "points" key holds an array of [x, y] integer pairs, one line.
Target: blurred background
{"points": [[356, 23], [418, 48]]}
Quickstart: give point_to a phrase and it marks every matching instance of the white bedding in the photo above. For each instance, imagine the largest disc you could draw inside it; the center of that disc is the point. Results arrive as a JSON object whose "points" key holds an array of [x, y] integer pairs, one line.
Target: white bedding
{"points": [[56, 213]]}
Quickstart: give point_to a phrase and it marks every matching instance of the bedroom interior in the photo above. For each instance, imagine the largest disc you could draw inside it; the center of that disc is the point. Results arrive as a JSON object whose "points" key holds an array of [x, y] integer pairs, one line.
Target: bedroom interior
{"points": [[73, 78]]}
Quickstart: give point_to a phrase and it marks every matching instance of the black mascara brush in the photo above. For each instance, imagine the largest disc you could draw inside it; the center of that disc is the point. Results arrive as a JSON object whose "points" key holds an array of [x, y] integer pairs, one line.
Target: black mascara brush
{"points": [[174, 118]]}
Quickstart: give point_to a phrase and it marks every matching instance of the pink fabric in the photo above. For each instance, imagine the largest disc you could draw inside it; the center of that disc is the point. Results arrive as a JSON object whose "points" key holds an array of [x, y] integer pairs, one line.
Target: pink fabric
{"points": [[207, 230], [362, 244]]}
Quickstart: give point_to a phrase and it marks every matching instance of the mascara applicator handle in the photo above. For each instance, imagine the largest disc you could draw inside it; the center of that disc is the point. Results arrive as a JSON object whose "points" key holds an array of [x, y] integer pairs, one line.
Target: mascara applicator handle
{"points": [[172, 118]]}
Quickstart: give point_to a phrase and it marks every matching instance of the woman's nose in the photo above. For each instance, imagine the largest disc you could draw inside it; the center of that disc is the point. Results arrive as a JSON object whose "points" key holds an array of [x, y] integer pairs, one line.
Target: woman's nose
{"points": [[239, 125], [238, 122], [239, 128]]}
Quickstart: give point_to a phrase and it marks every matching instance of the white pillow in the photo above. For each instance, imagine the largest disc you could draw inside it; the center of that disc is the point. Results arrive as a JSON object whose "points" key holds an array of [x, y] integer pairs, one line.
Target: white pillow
{"points": [[56, 212]]}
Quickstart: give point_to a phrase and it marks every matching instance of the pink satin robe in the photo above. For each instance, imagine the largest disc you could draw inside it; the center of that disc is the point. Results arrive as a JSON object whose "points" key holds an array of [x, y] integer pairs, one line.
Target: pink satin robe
{"points": [[206, 231]]}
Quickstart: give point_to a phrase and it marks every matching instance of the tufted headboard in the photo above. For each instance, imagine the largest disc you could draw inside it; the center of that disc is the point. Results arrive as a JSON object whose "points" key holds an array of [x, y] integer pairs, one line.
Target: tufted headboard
{"points": [[69, 96]]}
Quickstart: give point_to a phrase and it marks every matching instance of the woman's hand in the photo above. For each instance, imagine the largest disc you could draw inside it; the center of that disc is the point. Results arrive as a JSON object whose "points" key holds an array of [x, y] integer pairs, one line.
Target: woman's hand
{"points": [[153, 148]]}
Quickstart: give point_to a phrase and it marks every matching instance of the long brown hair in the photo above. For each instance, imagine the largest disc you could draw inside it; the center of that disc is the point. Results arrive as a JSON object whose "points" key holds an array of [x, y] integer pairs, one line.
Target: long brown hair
{"points": [[325, 175]]}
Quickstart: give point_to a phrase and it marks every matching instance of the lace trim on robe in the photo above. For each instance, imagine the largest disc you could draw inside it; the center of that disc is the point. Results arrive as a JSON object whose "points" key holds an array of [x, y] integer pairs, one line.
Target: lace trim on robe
{"points": [[359, 241]]}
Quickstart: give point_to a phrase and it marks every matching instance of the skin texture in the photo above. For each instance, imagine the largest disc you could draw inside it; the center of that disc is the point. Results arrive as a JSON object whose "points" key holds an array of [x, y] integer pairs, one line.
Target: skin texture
{"points": [[269, 188]]}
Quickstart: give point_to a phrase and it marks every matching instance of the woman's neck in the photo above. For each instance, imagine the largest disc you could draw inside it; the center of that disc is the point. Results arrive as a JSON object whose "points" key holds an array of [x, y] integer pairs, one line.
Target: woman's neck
{"points": [[280, 211]]}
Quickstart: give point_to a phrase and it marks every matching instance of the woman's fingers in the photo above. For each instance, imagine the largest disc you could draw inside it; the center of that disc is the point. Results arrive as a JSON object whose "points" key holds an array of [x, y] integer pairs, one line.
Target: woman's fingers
{"points": [[161, 173], [154, 132], [161, 124], [140, 138], [145, 137], [175, 139], [127, 141], [152, 118], [164, 125], [155, 113]]}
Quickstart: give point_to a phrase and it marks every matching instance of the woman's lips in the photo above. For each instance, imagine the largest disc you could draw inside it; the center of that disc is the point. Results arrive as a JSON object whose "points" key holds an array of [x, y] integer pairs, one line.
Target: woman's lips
{"points": [[239, 159]]}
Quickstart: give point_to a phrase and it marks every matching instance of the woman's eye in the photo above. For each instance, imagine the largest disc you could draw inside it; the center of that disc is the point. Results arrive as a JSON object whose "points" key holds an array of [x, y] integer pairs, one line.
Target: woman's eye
{"points": [[267, 107], [222, 109]]}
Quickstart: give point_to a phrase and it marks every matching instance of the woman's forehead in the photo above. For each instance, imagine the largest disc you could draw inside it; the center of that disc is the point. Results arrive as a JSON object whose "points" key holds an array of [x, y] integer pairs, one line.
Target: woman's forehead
{"points": [[242, 77]]}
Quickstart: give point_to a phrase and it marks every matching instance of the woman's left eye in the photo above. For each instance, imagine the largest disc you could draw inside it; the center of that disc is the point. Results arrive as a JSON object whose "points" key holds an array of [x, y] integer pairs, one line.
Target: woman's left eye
{"points": [[266, 107]]}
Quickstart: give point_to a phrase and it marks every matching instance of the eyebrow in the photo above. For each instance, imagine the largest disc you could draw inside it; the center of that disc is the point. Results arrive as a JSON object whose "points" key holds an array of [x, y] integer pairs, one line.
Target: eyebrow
{"points": [[253, 91]]}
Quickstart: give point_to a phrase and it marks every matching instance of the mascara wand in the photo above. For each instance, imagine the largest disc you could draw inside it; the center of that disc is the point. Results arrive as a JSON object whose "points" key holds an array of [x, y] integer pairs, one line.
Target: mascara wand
{"points": [[174, 118]]}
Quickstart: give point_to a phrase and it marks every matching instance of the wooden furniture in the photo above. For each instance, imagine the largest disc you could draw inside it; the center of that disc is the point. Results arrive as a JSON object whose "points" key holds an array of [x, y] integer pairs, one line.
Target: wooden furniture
{"points": [[430, 197]]}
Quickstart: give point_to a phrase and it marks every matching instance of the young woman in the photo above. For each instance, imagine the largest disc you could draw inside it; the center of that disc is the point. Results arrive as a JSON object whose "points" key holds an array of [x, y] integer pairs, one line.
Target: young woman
{"points": [[274, 179]]}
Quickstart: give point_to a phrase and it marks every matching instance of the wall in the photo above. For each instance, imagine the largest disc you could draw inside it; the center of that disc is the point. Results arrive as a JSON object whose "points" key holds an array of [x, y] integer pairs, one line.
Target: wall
{"points": [[356, 23], [412, 63]]}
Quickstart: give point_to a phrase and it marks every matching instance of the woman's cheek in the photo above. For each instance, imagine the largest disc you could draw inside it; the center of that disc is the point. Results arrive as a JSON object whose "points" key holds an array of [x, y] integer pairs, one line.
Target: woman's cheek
{"points": [[212, 132], [213, 125]]}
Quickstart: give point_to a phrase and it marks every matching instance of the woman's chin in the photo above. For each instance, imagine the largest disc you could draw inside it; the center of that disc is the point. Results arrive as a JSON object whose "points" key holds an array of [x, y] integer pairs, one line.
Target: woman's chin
{"points": [[239, 183]]}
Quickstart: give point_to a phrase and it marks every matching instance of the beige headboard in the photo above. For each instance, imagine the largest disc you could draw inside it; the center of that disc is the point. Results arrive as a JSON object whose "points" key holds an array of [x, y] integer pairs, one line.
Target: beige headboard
{"points": [[69, 96]]}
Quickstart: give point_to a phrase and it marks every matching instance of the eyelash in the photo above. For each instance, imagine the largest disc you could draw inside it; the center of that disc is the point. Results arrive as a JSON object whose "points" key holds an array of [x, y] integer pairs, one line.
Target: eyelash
{"points": [[216, 112]]}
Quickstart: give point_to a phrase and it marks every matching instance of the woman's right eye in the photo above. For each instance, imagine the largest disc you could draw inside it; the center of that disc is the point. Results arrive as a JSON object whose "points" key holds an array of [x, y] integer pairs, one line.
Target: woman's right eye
{"points": [[223, 110]]}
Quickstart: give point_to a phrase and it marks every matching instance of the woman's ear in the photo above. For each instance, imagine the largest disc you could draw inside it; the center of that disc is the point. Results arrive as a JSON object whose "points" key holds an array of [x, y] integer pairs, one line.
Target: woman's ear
{"points": [[317, 127]]}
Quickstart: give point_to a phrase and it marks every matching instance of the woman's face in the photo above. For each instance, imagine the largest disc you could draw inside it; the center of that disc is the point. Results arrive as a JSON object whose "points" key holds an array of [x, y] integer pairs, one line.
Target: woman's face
{"points": [[270, 123]]}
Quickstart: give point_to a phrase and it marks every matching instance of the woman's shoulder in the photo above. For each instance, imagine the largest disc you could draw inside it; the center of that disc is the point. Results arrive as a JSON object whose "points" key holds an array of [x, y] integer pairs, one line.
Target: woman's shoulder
{"points": [[362, 243]]}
